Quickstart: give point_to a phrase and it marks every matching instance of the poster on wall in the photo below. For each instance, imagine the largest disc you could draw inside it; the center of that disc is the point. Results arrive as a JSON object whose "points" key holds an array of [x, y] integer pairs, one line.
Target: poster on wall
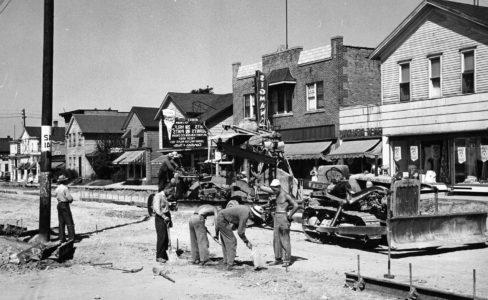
{"points": [[397, 153], [169, 117], [188, 134], [484, 152], [414, 153], [461, 153]]}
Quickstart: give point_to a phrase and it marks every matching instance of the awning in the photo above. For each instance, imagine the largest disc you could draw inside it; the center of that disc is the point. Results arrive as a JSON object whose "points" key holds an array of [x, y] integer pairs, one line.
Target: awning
{"points": [[129, 157], [354, 148], [309, 150], [58, 165], [158, 160], [280, 76], [377, 151]]}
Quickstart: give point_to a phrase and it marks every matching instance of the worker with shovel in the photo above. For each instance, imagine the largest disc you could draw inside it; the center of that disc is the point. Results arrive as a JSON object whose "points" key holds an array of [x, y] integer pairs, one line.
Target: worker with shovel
{"points": [[229, 218], [198, 233], [162, 220], [282, 222]]}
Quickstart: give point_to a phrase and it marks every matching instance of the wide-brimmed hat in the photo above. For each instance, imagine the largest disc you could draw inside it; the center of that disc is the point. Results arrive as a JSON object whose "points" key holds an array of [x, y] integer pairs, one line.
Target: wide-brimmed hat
{"points": [[257, 211], [275, 183], [174, 154], [62, 178]]}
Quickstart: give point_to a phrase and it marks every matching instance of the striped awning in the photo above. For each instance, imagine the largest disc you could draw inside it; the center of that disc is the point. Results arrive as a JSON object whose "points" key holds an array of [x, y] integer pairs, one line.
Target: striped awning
{"points": [[308, 150], [130, 157], [355, 148]]}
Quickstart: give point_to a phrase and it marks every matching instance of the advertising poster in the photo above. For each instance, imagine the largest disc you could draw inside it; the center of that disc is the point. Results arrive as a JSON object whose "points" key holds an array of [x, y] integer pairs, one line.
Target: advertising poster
{"points": [[188, 134], [414, 153], [484, 152], [397, 153], [461, 154]]}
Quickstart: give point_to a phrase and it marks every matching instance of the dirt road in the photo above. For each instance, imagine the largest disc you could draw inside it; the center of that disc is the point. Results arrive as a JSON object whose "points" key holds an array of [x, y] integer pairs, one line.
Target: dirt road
{"points": [[318, 272]]}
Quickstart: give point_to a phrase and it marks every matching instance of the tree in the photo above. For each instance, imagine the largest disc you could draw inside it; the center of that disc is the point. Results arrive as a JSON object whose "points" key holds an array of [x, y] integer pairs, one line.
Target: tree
{"points": [[107, 149], [207, 90]]}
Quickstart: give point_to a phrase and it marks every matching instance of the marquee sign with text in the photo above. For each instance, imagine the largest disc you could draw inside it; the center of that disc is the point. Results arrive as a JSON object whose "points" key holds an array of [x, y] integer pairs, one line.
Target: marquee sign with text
{"points": [[188, 134], [261, 99], [361, 133]]}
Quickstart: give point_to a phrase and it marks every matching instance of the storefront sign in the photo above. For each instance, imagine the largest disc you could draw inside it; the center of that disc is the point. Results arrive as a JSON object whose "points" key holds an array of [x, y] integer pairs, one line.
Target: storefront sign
{"points": [[361, 132], [461, 153], [262, 99], [484, 152], [397, 153], [414, 153], [169, 117], [188, 134]]}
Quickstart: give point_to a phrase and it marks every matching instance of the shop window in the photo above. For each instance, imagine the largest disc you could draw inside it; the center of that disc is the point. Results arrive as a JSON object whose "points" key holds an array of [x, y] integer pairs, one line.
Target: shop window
{"points": [[435, 77], [281, 99], [405, 81], [249, 106], [471, 160], [468, 71], [406, 155], [315, 95]]}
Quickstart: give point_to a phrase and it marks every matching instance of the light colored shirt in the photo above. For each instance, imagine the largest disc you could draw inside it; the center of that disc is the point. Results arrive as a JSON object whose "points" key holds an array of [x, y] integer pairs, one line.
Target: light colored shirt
{"points": [[62, 194], [160, 204]]}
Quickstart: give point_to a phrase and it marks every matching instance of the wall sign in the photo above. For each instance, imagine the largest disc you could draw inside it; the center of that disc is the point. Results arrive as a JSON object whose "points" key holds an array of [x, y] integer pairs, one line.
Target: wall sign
{"points": [[414, 153], [484, 152], [188, 134], [262, 99], [169, 117], [461, 153], [397, 153], [361, 132]]}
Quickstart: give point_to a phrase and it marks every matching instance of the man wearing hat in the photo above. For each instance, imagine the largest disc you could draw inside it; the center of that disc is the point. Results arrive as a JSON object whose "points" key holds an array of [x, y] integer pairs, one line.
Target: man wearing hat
{"points": [[162, 222], [167, 169], [282, 221], [64, 212], [232, 217]]}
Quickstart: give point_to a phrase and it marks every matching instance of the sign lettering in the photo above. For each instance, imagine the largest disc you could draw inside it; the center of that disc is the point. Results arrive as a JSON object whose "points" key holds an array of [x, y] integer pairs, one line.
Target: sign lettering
{"points": [[188, 134], [261, 95], [361, 132]]}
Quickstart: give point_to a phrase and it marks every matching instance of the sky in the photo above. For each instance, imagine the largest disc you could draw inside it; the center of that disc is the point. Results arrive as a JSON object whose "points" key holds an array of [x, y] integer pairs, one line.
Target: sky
{"points": [[122, 53]]}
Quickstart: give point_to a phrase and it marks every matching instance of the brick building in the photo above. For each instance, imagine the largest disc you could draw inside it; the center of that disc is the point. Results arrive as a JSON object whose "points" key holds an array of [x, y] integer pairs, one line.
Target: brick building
{"points": [[305, 89]]}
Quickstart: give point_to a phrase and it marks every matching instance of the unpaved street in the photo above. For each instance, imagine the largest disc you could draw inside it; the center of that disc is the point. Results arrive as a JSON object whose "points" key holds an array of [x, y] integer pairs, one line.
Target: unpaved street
{"points": [[128, 242]]}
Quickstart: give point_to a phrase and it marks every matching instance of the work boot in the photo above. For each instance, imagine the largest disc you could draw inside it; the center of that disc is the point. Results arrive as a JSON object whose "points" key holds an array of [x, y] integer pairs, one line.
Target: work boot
{"points": [[71, 232], [276, 262], [161, 260], [196, 262], [62, 237], [230, 267]]}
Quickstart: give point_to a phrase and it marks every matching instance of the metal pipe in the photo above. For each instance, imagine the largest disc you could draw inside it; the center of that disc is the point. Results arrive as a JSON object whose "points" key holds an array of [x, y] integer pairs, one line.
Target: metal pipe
{"points": [[474, 283], [410, 274], [359, 267]]}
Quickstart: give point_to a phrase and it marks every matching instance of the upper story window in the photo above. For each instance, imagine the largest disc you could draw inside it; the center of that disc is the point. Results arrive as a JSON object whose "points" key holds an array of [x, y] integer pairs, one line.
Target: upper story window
{"points": [[249, 106], [80, 137], [405, 81], [315, 95], [435, 77], [467, 71], [281, 99]]}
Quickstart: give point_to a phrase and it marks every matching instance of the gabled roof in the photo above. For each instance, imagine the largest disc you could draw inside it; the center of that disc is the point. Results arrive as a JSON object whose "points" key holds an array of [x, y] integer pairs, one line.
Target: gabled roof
{"points": [[218, 106], [189, 103], [145, 115], [99, 123], [57, 133], [473, 13]]}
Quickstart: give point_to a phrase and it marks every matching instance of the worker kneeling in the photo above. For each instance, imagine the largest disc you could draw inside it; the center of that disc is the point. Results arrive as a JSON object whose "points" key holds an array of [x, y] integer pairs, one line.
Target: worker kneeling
{"points": [[198, 233], [233, 217]]}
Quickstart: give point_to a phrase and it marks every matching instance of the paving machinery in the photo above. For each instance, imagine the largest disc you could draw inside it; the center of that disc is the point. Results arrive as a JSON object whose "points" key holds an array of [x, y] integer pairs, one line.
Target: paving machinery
{"points": [[377, 213]]}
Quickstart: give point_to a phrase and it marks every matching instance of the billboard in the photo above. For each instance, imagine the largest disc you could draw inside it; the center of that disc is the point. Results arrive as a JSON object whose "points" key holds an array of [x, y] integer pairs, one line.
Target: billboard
{"points": [[187, 134]]}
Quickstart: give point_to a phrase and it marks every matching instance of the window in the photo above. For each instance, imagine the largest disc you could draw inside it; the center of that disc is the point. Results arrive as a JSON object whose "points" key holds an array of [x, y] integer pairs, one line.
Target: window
{"points": [[281, 99], [468, 71], [435, 77], [249, 106], [315, 96], [405, 81], [79, 138]]}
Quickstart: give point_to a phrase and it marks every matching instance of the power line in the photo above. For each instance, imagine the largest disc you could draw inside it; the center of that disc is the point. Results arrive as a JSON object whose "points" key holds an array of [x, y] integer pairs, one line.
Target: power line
{"points": [[8, 2]]}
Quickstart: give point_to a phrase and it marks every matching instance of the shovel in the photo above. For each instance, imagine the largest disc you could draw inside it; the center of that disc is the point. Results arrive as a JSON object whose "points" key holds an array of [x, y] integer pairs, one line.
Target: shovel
{"points": [[213, 238], [111, 267]]}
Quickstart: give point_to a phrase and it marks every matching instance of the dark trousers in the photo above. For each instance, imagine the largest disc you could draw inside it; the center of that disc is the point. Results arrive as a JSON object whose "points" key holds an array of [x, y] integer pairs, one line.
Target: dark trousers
{"points": [[229, 241], [198, 238], [281, 237], [65, 218], [162, 237]]}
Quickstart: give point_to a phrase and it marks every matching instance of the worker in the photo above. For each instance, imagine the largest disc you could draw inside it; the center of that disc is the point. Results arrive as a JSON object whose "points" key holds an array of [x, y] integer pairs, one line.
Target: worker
{"points": [[282, 222], [198, 233], [235, 217], [64, 212], [162, 220], [167, 169]]}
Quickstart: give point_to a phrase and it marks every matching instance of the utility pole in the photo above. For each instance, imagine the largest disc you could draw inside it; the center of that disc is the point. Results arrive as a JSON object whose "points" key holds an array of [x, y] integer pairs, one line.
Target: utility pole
{"points": [[46, 124], [23, 116], [286, 23]]}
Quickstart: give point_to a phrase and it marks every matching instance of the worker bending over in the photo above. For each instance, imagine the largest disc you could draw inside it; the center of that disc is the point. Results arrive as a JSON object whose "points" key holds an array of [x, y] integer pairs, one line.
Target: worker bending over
{"points": [[282, 221], [233, 217], [198, 233]]}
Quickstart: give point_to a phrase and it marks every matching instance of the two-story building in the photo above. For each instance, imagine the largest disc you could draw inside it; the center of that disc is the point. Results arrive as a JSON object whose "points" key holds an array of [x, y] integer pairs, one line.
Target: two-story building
{"points": [[303, 91], [25, 152], [4, 160], [434, 92], [84, 132], [209, 111], [141, 145]]}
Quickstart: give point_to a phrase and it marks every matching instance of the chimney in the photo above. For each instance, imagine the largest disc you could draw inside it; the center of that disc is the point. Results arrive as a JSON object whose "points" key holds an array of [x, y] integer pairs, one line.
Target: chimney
{"points": [[336, 43], [55, 123], [235, 69]]}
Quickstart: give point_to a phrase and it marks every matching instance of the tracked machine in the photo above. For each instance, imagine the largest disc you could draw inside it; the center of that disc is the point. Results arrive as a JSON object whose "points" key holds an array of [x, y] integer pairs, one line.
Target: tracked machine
{"points": [[391, 214]]}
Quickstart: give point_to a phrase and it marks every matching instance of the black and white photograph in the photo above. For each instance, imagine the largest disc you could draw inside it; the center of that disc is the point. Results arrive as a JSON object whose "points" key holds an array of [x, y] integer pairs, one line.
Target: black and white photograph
{"points": [[243, 149]]}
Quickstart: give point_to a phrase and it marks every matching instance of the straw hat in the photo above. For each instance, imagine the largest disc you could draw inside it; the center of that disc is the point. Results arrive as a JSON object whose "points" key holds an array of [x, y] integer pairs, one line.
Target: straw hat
{"points": [[257, 211]]}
